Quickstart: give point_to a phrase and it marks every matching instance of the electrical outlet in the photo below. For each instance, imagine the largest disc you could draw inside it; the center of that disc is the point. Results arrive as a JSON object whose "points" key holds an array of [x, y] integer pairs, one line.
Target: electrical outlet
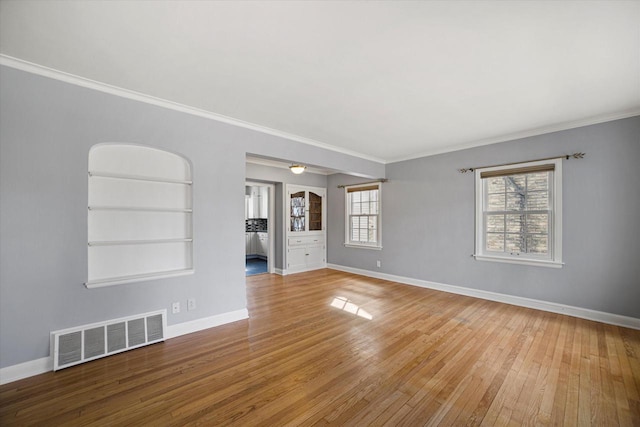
{"points": [[191, 304], [175, 308], [378, 263]]}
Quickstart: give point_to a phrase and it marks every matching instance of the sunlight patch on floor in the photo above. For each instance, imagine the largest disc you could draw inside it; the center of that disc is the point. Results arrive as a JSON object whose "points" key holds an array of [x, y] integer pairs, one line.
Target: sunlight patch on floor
{"points": [[344, 304]]}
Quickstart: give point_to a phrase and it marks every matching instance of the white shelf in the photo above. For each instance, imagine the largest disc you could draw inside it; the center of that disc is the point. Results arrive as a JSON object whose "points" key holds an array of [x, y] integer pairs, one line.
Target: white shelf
{"points": [[136, 278], [138, 209], [138, 242], [138, 178]]}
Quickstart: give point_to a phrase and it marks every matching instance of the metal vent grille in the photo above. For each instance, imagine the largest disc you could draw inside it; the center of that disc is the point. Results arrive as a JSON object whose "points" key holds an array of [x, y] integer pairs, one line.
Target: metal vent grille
{"points": [[94, 342], [69, 348], [155, 327], [83, 343]]}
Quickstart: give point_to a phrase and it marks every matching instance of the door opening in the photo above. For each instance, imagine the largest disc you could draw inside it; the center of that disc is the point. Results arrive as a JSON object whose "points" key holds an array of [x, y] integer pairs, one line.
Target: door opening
{"points": [[257, 228]]}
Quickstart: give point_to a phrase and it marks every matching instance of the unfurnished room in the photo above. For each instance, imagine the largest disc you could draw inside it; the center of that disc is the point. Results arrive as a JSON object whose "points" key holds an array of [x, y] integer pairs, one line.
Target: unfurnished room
{"points": [[439, 202]]}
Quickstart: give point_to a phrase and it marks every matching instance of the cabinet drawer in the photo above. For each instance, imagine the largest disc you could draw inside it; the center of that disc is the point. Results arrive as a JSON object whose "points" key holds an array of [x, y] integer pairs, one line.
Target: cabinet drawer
{"points": [[306, 240]]}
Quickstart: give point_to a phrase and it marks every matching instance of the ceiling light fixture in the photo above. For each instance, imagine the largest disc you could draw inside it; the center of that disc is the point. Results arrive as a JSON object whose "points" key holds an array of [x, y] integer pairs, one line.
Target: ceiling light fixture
{"points": [[297, 169]]}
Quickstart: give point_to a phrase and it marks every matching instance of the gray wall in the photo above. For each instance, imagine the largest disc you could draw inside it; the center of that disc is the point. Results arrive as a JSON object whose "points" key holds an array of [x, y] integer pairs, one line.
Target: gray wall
{"points": [[280, 177], [46, 130], [428, 220]]}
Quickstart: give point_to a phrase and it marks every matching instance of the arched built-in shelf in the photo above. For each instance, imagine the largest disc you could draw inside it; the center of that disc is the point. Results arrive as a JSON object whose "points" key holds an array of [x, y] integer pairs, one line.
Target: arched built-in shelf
{"points": [[139, 214]]}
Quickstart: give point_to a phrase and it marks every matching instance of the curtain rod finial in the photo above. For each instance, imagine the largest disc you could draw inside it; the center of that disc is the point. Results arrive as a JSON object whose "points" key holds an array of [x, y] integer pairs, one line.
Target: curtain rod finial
{"points": [[465, 170]]}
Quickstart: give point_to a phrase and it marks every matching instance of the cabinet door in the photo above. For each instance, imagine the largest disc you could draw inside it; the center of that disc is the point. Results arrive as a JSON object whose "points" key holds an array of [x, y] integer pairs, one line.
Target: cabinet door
{"points": [[247, 240], [315, 255], [297, 209], [315, 211], [297, 257], [264, 202], [263, 241]]}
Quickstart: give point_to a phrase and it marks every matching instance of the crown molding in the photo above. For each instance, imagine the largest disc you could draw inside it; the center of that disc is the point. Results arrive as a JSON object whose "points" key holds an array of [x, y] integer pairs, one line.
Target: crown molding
{"points": [[525, 134], [52, 73], [44, 71]]}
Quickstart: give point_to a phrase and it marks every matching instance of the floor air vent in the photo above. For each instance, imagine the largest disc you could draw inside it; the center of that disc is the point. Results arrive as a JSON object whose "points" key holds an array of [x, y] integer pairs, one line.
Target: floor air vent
{"points": [[84, 343]]}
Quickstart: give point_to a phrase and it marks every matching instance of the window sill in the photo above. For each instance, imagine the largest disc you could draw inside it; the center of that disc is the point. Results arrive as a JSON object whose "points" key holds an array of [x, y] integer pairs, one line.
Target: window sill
{"points": [[136, 278], [353, 245], [533, 262]]}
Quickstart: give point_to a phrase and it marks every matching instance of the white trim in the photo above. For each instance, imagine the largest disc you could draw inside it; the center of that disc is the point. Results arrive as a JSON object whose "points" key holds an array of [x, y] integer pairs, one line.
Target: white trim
{"points": [[363, 246], [524, 134], [45, 364], [280, 271], [534, 262], [206, 323], [582, 313], [41, 70], [25, 370]]}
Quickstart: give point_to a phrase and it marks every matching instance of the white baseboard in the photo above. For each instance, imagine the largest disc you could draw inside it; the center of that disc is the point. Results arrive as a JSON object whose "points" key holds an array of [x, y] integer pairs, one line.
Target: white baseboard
{"points": [[45, 364], [26, 369], [206, 323], [279, 271], [583, 313]]}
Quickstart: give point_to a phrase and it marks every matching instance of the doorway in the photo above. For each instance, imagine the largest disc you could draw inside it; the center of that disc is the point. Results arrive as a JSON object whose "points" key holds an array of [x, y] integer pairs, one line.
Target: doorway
{"points": [[258, 228]]}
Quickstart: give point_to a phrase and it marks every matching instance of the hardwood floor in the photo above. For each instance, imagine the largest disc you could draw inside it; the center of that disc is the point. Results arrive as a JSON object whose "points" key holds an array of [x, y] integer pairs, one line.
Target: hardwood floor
{"points": [[328, 347]]}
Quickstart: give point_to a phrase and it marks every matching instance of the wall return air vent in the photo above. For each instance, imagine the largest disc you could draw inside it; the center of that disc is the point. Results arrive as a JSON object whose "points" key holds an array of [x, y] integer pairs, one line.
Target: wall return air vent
{"points": [[81, 344]]}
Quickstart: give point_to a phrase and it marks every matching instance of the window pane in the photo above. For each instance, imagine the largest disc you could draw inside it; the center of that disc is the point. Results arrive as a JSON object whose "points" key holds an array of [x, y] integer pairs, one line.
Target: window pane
{"points": [[374, 195], [515, 202], [538, 223], [538, 181], [514, 243], [516, 183], [538, 201], [364, 208], [495, 223], [495, 185], [495, 202], [373, 207], [355, 208], [537, 244], [495, 242], [515, 223]]}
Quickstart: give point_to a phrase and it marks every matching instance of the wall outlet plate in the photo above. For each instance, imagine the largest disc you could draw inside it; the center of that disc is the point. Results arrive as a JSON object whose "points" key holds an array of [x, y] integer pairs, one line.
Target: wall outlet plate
{"points": [[175, 308], [191, 304]]}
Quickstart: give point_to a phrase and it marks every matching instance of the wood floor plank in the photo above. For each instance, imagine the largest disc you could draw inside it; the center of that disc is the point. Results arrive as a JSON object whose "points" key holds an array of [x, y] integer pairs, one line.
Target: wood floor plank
{"points": [[334, 348]]}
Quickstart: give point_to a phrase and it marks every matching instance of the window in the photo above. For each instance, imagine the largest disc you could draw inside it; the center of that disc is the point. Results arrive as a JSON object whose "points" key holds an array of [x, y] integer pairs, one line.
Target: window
{"points": [[363, 216], [139, 216], [519, 213]]}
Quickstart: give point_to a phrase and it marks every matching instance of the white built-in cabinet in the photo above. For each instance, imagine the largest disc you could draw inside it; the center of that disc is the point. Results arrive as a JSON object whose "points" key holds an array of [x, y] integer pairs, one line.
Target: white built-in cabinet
{"points": [[139, 214], [257, 244], [257, 203], [306, 209]]}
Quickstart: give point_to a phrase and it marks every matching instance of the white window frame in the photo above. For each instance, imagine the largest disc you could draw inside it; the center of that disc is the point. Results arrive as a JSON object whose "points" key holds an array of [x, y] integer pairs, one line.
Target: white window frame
{"points": [[554, 260], [347, 215]]}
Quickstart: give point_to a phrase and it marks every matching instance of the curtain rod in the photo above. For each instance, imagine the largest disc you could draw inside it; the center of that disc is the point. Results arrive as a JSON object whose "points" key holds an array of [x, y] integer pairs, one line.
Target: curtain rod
{"points": [[363, 183], [566, 157]]}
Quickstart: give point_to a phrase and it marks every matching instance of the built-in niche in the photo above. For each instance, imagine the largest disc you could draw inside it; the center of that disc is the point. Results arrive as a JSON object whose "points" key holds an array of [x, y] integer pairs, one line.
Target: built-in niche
{"points": [[139, 214]]}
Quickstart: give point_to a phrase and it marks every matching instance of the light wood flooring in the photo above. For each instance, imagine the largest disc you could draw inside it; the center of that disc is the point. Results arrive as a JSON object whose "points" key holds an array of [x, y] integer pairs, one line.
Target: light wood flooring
{"points": [[332, 348]]}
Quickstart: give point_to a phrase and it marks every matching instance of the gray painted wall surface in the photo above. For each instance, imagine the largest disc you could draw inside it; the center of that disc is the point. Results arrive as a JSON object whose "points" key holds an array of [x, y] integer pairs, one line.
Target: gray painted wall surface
{"points": [[46, 130], [281, 177], [428, 220]]}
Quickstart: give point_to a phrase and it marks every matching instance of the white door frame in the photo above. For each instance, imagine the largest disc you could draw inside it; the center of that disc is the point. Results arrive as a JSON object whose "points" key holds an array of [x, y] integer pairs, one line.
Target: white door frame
{"points": [[270, 221]]}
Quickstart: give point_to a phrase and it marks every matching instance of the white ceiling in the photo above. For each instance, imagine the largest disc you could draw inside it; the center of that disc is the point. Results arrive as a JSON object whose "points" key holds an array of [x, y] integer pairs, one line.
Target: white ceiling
{"points": [[387, 80]]}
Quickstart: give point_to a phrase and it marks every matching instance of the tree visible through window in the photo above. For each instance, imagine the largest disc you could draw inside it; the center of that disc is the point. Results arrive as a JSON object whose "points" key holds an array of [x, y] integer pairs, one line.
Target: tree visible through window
{"points": [[518, 212]]}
